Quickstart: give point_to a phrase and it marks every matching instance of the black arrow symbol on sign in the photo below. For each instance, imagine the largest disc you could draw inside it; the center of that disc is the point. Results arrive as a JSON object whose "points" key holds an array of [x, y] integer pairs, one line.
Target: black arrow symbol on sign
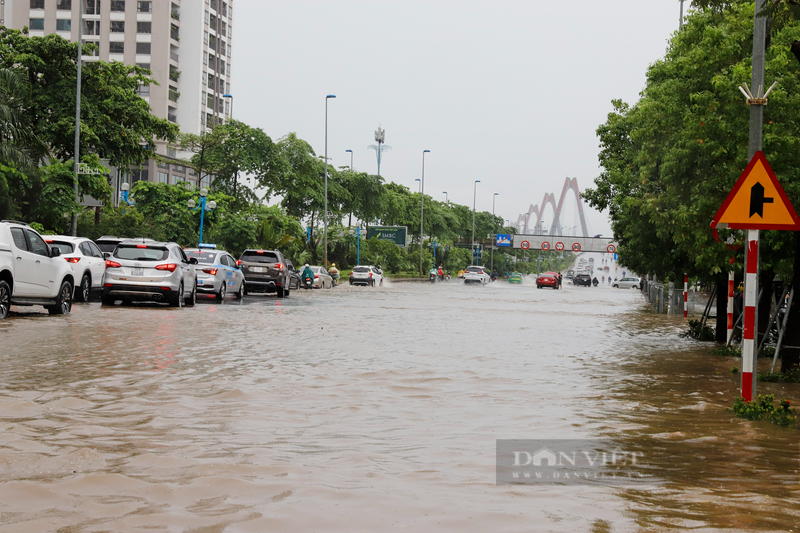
{"points": [[757, 200]]}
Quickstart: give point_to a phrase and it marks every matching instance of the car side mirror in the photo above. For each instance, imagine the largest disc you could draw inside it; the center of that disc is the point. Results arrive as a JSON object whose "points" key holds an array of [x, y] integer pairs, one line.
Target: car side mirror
{"points": [[106, 255], [55, 252], [192, 260]]}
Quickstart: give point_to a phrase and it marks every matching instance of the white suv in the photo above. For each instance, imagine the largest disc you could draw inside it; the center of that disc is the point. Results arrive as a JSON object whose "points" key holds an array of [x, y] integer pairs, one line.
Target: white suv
{"points": [[477, 274], [32, 273], [85, 258]]}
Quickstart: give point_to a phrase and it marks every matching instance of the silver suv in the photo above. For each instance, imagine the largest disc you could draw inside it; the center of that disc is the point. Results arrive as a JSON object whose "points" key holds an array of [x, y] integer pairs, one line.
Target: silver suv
{"points": [[31, 272], [146, 270]]}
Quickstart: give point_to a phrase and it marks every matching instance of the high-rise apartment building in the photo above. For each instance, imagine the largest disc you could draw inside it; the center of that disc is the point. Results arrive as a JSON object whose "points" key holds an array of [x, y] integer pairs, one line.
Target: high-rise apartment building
{"points": [[185, 43]]}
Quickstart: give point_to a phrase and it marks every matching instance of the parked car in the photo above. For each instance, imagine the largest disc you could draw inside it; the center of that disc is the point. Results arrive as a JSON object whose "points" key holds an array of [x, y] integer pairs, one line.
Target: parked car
{"points": [[366, 275], [322, 279], [628, 283], [217, 272], [86, 260], [294, 276], [146, 270], [582, 279], [32, 272], [515, 277], [265, 271], [547, 279], [107, 243], [477, 274]]}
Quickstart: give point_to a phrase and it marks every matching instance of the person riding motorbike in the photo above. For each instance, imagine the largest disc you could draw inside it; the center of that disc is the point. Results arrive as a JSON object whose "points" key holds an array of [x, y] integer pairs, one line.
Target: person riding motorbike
{"points": [[494, 275], [441, 272], [334, 272], [306, 275]]}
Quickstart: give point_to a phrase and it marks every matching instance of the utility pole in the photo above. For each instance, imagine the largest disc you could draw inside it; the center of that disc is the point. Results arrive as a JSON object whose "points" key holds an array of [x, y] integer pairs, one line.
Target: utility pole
{"points": [[750, 335], [74, 225], [680, 20]]}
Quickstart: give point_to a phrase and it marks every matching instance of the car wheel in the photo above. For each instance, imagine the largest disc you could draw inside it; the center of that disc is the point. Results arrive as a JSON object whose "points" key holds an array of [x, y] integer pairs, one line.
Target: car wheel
{"points": [[63, 300], [381, 283], [615, 286], [240, 293], [280, 292], [177, 300], [244, 288], [5, 299], [192, 299], [85, 289], [222, 289]]}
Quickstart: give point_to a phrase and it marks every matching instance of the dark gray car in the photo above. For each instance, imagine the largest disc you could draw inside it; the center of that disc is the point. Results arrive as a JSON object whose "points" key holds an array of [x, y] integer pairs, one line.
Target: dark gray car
{"points": [[265, 271]]}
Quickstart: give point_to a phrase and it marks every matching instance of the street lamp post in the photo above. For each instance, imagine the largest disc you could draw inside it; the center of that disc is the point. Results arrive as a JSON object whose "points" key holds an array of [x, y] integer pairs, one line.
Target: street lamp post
{"points": [[474, 196], [419, 184], [77, 158], [203, 207], [125, 188], [325, 215], [445, 197], [351, 159], [357, 233], [231, 97], [494, 225], [422, 209]]}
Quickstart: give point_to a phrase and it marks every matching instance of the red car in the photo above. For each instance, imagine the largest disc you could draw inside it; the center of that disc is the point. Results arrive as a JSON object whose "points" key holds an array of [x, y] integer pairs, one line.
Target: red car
{"points": [[547, 279]]}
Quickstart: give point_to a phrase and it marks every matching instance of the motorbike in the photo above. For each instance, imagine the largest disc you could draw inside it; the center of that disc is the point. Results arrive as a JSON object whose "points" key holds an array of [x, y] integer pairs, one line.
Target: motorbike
{"points": [[432, 276], [335, 277], [308, 283], [595, 282]]}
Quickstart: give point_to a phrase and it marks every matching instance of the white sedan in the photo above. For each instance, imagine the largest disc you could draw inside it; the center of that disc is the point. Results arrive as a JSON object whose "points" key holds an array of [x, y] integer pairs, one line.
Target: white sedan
{"points": [[628, 283], [477, 274]]}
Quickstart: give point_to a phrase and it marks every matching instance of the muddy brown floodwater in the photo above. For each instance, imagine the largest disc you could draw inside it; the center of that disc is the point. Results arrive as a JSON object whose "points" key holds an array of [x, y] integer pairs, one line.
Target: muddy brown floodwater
{"points": [[375, 410]]}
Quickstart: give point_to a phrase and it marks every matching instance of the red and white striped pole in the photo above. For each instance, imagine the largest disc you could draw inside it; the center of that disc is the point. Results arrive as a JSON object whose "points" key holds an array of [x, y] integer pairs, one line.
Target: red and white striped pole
{"points": [[748, 336], [730, 302], [685, 295]]}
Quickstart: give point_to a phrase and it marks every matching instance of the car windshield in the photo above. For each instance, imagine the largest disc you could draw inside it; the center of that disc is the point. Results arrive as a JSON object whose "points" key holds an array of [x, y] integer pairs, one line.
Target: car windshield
{"points": [[474, 269], [259, 256], [205, 258], [361, 269], [64, 247], [141, 252], [316, 270]]}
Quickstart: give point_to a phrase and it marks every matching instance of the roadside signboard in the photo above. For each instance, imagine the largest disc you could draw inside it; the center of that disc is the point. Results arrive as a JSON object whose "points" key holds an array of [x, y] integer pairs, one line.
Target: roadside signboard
{"points": [[503, 240], [559, 246], [570, 243], [396, 234], [525, 245]]}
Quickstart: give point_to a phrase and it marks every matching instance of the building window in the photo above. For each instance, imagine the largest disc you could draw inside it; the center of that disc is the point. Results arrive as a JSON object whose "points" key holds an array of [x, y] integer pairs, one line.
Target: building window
{"points": [[228, 69], [224, 11], [229, 50], [212, 42], [37, 4], [92, 7], [206, 15], [117, 26], [118, 5], [210, 101], [212, 61], [63, 25], [205, 78], [214, 5], [36, 24], [91, 27], [205, 58], [144, 90], [145, 7], [143, 65], [91, 49], [116, 48], [144, 27], [163, 177], [66, 5], [221, 69], [213, 22], [142, 48], [222, 28]]}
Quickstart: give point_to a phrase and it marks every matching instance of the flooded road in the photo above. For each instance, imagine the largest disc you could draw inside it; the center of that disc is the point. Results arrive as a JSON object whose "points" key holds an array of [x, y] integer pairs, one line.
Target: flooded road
{"points": [[360, 409]]}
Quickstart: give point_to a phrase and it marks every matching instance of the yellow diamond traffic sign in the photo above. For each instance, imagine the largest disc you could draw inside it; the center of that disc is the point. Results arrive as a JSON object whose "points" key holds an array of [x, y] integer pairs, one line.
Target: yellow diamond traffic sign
{"points": [[757, 201]]}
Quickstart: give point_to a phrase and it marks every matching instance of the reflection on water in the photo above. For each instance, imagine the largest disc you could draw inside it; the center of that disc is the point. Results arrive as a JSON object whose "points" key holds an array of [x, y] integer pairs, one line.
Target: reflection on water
{"points": [[373, 409]]}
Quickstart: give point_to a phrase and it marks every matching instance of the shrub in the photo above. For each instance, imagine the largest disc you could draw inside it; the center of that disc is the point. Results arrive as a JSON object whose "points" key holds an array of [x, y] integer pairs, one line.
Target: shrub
{"points": [[764, 409]]}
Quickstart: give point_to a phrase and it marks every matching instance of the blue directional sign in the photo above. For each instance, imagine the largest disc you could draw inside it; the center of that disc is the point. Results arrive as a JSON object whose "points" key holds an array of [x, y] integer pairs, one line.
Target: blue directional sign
{"points": [[503, 240]]}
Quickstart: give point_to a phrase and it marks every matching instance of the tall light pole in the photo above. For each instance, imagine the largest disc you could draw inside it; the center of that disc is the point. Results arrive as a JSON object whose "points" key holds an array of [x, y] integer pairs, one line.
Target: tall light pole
{"points": [[74, 225], [351, 159], [231, 97], [494, 225], [419, 185], [325, 215], [421, 209], [474, 196], [445, 197]]}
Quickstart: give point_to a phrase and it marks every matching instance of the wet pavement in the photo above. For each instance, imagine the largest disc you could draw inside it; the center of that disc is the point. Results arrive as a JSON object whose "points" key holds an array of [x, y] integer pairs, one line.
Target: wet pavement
{"points": [[358, 409]]}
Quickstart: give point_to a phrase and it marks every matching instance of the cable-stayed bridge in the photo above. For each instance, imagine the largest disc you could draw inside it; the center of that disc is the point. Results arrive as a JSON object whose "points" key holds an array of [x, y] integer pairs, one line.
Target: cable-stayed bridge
{"points": [[531, 222]]}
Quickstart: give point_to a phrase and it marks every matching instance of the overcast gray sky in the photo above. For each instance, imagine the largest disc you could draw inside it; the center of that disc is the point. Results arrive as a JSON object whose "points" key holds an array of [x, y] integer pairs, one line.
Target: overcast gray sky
{"points": [[508, 92]]}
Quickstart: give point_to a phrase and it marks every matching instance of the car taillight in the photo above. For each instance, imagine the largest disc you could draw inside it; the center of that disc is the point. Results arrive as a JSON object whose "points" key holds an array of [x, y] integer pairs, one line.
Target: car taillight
{"points": [[72, 259], [238, 263], [141, 246], [370, 274], [316, 276], [212, 271], [279, 266], [169, 266], [112, 264], [351, 274]]}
